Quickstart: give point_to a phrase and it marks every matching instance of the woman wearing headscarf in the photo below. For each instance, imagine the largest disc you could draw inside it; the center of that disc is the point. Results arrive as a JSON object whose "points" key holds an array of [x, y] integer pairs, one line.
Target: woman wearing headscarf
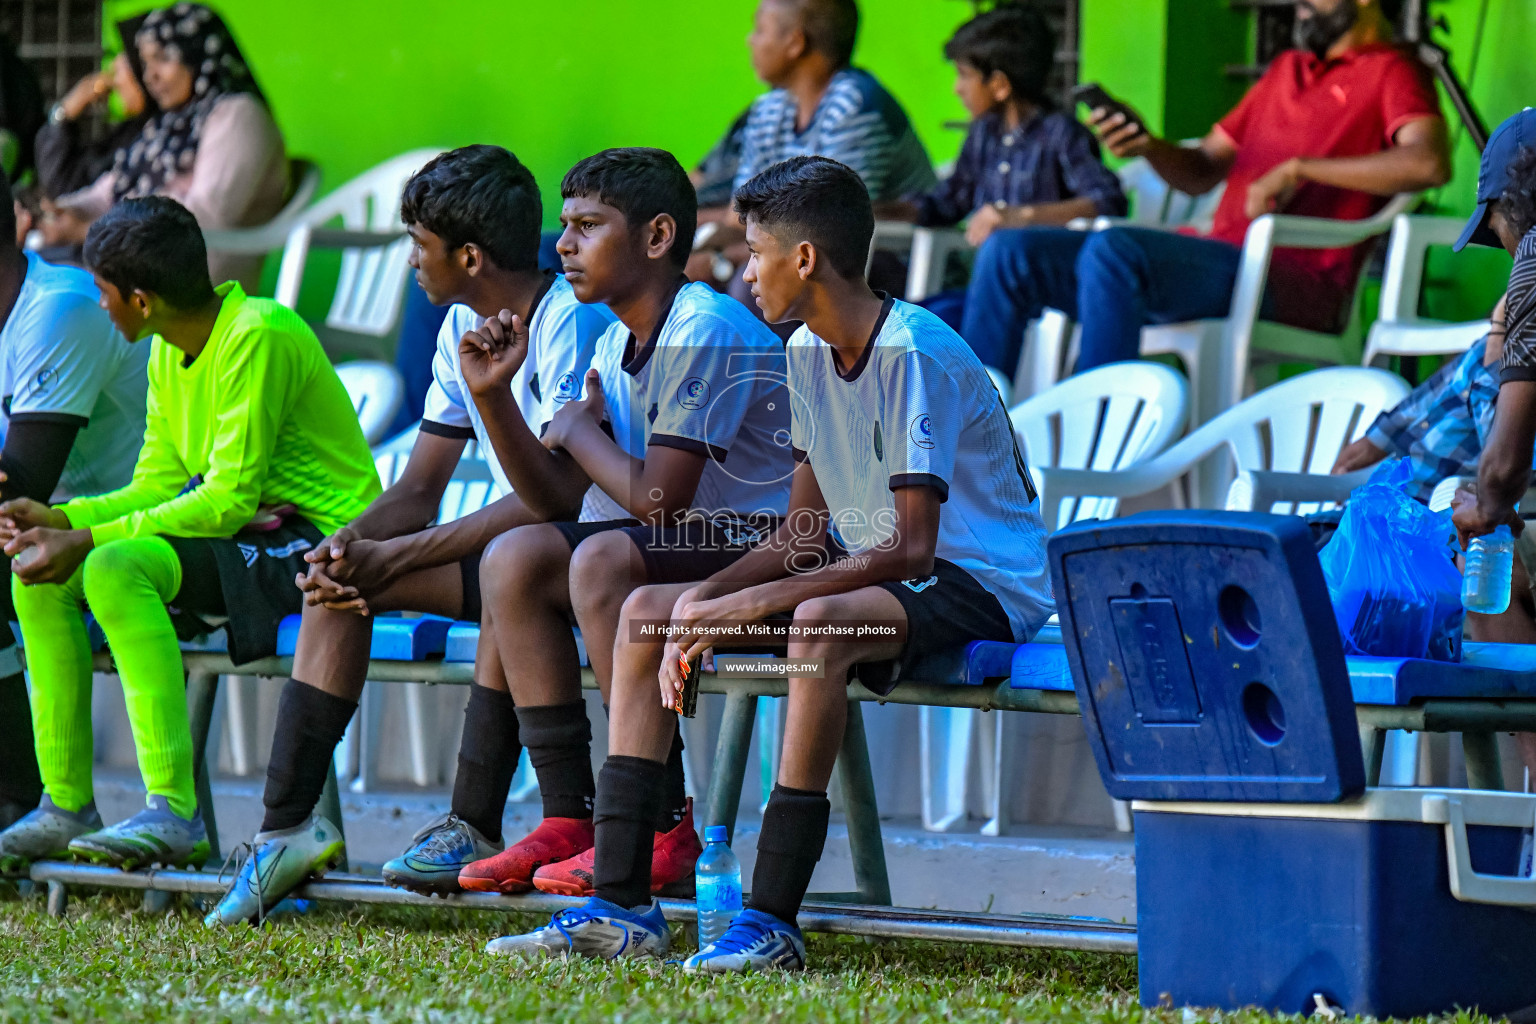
{"points": [[213, 147], [74, 150]]}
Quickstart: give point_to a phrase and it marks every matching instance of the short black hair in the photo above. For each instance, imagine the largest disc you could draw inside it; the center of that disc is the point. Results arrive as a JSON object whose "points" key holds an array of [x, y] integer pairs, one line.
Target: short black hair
{"points": [[1519, 195], [820, 200], [831, 27], [152, 243], [481, 195], [1010, 38], [641, 183]]}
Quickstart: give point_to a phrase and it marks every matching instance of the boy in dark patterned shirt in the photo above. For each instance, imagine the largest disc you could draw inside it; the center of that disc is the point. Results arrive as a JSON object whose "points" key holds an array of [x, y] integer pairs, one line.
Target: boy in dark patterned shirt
{"points": [[1024, 162]]}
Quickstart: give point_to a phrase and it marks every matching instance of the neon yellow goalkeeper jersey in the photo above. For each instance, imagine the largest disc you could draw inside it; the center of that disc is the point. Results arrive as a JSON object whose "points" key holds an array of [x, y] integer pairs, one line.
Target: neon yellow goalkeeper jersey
{"points": [[258, 418]]}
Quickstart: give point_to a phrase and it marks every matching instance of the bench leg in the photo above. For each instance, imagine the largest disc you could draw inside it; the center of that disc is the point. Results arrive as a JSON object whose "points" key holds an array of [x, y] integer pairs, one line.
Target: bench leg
{"points": [[861, 812], [330, 808], [1481, 750], [1373, 744], [202, 688], [730, 769]]}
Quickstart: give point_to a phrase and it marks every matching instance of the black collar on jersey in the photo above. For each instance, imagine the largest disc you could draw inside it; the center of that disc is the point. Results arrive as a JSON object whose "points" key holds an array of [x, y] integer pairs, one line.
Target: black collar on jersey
{"points": [[635, 361], [863, 360]]}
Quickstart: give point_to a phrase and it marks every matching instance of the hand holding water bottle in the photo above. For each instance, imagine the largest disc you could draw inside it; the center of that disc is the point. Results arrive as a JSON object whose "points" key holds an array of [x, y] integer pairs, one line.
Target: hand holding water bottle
{"points": [[1490, 563]]}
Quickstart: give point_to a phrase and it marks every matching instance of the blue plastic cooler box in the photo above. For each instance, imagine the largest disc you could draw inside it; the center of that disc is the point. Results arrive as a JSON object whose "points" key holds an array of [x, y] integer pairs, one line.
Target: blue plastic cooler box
{"points": [[1215, 695]]}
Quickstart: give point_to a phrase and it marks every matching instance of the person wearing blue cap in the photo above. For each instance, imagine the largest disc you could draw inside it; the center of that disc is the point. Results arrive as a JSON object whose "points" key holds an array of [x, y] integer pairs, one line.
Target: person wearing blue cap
{"points": [[1506, 217]]}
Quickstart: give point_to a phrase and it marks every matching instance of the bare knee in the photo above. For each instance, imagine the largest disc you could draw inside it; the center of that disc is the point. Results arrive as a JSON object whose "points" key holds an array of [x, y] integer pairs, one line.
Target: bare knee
{"points": [[647, 605], [523, 561], [602, 572]]}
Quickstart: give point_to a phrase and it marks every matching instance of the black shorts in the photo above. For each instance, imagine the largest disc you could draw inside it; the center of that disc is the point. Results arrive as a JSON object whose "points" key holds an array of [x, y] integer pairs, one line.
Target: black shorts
{"points": [[248, 577], [688, 553], [469, 580], [945, 611]]}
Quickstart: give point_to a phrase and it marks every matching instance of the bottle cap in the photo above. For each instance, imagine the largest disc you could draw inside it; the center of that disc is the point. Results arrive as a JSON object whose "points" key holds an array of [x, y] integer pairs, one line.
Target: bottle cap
{"points": [[717, 834]]}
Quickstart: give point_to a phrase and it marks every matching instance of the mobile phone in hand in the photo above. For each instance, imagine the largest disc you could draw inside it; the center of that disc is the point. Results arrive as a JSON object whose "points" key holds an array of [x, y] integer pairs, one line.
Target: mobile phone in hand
{"points": [[1093, 96]]}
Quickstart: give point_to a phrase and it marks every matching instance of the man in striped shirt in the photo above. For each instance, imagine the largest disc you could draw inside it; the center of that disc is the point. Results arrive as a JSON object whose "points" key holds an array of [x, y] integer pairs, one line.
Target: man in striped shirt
{"points": [[1506, 217], [819, 106]]}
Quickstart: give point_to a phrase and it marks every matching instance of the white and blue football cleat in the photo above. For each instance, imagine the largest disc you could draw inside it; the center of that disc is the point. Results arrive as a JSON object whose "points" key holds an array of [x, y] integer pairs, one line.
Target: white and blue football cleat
{"points": [[755, 941], [595, 928]]}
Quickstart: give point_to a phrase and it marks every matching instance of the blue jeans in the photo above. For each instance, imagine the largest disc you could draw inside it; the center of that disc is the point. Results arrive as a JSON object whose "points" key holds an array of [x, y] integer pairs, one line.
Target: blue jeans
{"points": [[1113, 282]]}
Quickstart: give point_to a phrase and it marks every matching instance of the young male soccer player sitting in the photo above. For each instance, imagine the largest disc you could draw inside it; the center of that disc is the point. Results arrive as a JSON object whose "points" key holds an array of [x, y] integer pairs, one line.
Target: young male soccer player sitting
{"points": [[692, 386], [473, 215], [905, 449], [71, 426], [251, 452]]}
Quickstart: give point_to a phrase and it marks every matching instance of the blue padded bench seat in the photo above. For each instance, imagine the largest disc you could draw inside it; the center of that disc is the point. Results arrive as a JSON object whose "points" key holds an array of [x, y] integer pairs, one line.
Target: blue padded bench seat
{"points": [[394, 638], [464, 637], [1486, 672]]}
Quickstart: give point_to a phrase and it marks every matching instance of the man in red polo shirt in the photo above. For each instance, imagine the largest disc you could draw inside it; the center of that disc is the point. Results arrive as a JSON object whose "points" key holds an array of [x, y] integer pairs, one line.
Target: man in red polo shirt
{"points": [[1333, 129]]}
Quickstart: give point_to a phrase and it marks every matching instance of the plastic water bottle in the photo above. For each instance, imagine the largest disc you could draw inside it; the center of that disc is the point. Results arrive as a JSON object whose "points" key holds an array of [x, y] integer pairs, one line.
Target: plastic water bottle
{"points": [[1485, 581], [717, 884]]}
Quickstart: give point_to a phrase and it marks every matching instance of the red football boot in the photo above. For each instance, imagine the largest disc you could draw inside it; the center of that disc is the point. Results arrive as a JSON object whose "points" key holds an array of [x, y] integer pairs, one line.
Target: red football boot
{"points": [[672, 859], [511, 871]]}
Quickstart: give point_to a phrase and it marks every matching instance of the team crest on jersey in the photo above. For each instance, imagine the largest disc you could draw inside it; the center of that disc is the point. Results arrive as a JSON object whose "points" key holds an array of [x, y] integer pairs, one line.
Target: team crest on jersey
{"points": [[879, 444], [918, 586], [566, 387], [921, 430], [693, 393]]}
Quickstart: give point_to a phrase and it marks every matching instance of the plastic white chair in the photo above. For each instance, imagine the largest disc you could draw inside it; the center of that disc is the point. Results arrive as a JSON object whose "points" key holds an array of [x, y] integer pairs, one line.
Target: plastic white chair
{"points": [[1217, 353], [269, 237], [1153, 203], [1003, 384], [1399, 330], [1105, 420], [1297, 426], [372, 242], [376, 390]]}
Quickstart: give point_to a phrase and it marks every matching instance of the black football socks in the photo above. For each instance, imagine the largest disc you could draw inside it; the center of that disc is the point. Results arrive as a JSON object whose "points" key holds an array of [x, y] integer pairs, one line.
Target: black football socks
{"points": [[488, 753], [623, 822], [558, 738], [310, 722], [794, 833]]}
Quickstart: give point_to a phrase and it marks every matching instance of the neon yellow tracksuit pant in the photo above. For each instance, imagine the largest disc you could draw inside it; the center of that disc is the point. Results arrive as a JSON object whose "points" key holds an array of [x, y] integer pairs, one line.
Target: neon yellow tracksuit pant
{"points": [[127, 584]]}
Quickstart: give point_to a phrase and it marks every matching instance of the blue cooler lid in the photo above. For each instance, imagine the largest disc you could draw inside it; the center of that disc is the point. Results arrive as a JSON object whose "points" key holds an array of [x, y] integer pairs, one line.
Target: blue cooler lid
{"points": [[1207, 662]]}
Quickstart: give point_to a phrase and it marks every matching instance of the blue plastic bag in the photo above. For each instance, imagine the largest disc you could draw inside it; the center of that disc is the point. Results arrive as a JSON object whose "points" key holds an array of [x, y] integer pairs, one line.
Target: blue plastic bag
{"points": [[1390, 570]]}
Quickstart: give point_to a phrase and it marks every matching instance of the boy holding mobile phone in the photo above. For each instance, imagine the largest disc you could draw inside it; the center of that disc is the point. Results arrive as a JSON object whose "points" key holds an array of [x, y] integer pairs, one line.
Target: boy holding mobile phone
{"points": [[1024, 162]]}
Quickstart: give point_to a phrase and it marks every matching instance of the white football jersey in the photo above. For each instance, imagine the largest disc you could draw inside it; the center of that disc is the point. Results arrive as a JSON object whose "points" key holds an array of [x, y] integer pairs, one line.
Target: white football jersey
{"points": [[919, 409], [562, 335], [711, 380]]}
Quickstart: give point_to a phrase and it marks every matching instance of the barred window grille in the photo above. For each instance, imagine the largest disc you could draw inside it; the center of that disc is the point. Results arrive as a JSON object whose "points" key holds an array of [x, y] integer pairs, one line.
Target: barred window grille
{"points": [[61, 39]]}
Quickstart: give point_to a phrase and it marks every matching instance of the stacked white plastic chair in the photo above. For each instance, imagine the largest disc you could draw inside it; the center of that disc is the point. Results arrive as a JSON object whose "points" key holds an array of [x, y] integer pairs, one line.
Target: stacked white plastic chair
{"points": [[1298, 427], [1399, 330]]}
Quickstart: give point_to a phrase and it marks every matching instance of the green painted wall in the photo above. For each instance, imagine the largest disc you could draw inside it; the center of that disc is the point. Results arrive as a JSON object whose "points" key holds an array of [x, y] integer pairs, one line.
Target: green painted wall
{"points": [[353, 82]]}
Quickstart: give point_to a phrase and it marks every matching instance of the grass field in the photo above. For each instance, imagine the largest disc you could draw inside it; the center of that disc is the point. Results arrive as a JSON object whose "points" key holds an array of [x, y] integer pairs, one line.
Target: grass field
{"points": [[108, 961]]}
